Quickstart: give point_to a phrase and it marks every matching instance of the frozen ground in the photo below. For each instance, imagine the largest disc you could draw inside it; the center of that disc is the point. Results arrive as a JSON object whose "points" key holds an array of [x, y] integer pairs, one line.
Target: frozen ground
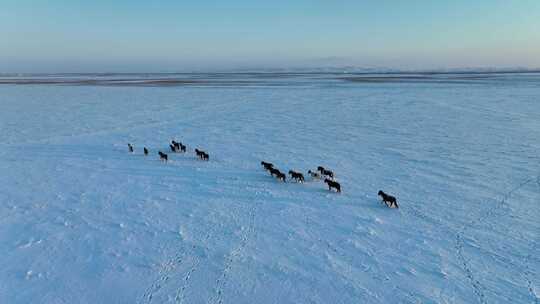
{"points": [[84, 221]]}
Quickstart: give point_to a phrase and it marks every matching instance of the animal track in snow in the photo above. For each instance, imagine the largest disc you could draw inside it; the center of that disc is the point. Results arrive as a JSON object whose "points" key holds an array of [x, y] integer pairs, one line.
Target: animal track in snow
{"points": [[250, 231], [477, 286]]}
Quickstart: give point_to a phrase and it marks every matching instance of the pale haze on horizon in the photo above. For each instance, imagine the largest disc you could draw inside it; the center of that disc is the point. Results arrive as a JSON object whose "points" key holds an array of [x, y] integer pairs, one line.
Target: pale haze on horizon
{"points": [[127, 36]]}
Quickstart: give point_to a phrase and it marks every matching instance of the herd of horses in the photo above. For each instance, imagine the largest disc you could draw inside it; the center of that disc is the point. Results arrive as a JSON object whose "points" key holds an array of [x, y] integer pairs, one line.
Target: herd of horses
{"points": [[320, 174], [299, 177], [329, 180], [176, 147]]}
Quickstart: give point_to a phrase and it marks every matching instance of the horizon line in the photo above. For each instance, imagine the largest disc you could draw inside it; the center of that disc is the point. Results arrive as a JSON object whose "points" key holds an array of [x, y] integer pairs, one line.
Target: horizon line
{"points": [[303, 70]]}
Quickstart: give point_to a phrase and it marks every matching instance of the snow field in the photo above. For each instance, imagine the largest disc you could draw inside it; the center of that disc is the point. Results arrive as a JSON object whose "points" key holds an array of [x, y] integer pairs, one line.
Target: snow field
{"points": [[84, 221]]}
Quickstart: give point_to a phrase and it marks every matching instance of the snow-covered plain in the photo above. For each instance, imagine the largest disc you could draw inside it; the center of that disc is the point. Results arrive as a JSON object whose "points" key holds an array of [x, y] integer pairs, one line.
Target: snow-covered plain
{"points": [[84, 221]]}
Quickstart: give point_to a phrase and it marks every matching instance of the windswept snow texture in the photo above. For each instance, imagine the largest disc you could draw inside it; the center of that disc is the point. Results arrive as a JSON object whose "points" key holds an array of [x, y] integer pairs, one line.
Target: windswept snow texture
{"points": [[84, 221]]}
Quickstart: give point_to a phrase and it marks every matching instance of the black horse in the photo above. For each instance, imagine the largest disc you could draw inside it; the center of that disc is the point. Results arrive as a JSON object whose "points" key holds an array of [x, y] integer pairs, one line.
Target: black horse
{"points": [[163, 156], [176, 145], [325, 172], [332, 184], [280, 176], [182, 147], [273, 171], [202, 155], [199, 153], [267, 166], [296, 176], [389, 200], [277, 174]]}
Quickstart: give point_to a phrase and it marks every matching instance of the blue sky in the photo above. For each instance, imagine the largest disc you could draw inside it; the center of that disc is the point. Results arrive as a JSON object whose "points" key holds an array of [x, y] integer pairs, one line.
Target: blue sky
{"points": [[179, 35]]}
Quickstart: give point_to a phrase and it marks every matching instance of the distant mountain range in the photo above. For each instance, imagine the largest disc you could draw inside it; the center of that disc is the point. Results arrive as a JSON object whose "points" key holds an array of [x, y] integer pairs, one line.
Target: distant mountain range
{"points": [[300, 70]]}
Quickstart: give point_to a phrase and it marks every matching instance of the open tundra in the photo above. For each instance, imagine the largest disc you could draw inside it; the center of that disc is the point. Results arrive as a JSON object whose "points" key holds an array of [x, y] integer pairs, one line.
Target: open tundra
{"points": [[82, 220]]}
